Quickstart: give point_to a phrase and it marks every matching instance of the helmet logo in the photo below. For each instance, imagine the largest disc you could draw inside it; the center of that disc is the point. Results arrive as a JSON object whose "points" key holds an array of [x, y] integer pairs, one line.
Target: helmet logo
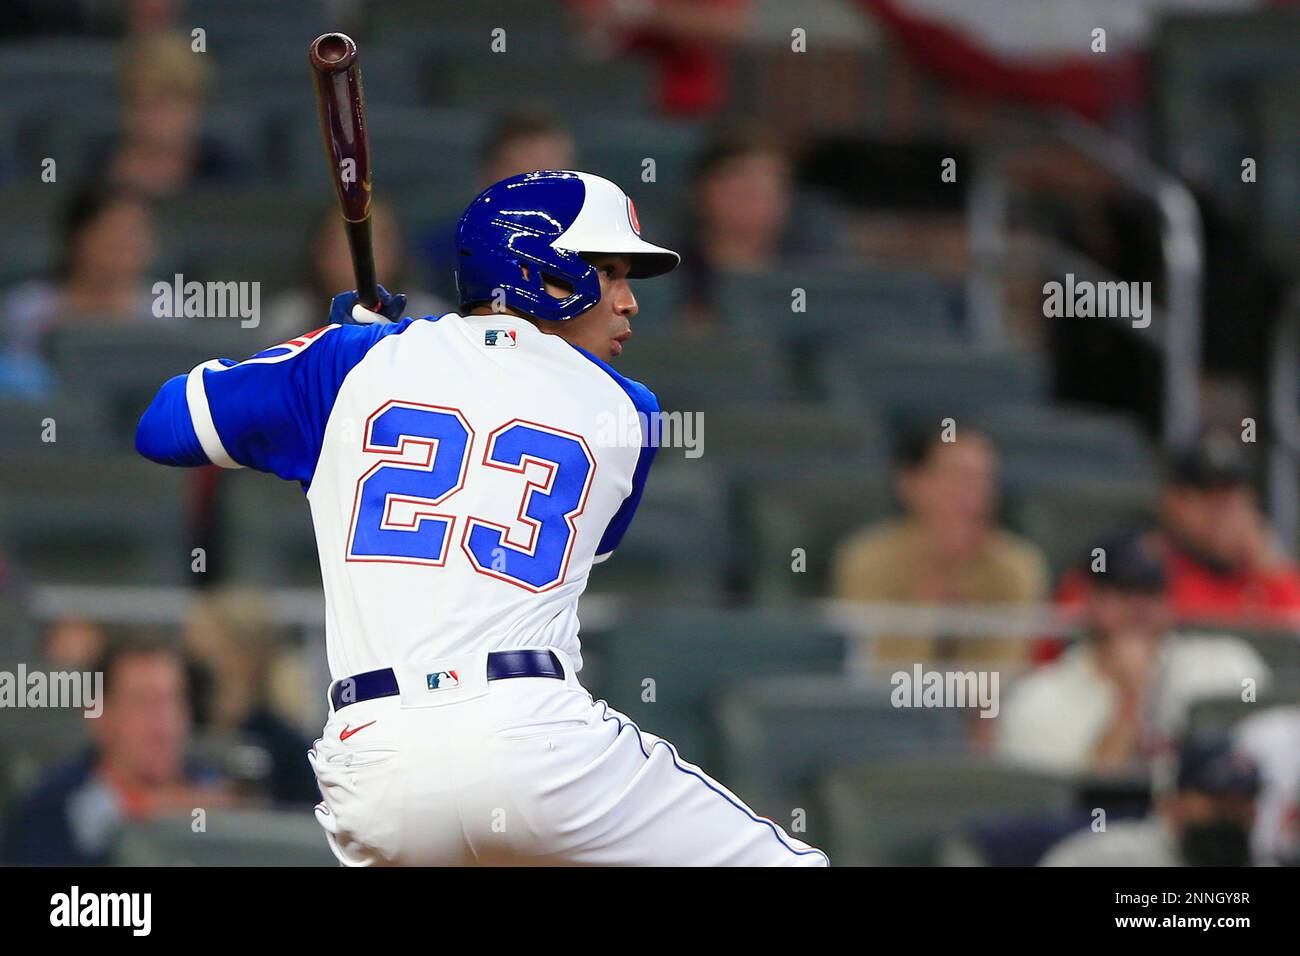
{"points": [[631, 216]]}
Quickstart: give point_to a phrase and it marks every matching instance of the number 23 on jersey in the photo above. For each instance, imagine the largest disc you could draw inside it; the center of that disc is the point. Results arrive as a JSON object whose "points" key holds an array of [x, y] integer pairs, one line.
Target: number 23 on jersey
{"points": [[423, 460]]}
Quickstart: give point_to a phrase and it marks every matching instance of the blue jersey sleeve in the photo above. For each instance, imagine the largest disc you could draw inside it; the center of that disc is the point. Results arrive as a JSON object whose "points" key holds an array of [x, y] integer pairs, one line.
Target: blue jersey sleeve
{"points": [[267, 412], [647, 406]]}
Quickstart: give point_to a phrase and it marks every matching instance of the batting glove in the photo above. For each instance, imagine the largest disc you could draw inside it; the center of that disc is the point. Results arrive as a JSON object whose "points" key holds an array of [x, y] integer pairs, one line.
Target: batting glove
{"points": [[346, 308]]}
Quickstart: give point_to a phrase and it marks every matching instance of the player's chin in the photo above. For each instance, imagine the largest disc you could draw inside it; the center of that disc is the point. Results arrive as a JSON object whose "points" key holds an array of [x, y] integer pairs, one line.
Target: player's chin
{"points": [[612, 350]]}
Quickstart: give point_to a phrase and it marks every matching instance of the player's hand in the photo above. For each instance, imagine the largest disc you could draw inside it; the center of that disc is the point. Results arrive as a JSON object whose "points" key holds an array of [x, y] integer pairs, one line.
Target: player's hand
{"points": [[346, 308]]}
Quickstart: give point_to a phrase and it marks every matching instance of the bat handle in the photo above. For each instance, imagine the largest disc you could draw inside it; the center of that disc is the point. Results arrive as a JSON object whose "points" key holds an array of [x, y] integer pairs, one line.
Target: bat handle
{"points": [[363, 262]]}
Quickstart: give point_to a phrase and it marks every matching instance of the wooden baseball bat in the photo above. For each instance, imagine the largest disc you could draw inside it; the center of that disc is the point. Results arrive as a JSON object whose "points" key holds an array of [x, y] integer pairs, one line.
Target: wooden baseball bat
{"points": [[342, 108]]}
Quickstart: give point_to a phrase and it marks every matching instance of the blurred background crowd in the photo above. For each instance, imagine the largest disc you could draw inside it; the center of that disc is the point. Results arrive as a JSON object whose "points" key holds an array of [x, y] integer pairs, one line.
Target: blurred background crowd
{"points": [[908, 467]]}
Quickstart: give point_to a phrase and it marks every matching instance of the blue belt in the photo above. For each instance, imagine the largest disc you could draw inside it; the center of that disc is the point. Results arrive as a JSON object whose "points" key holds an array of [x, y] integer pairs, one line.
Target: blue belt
{"points": [[501, 665]]}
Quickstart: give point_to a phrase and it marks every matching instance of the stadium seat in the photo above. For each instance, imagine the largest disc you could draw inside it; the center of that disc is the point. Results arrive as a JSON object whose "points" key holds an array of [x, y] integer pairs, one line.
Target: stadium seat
{"points": [[34, 739], [234, 24], [1044, 445], [530, 27], [120, 368], [27, 251], [581, 87], [692, 654], [73, 424], [1219, 716], [618, 148], [779, 733], [1069, 517], [230, 838], [88, 519], [691, 372], [677, 546], [813, 512], [265, 531], [764, 439], [899, 812], [55, 71], [75, 135], [17, 630], [839, 304], [844, 310], [241, 234], [431, 151], [1205, 69], [925, 382], [1278, 109]]}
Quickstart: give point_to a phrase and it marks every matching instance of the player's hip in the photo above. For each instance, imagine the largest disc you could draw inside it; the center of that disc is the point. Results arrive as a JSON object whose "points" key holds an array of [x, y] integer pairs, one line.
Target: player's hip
{"points": [[413, 762]]}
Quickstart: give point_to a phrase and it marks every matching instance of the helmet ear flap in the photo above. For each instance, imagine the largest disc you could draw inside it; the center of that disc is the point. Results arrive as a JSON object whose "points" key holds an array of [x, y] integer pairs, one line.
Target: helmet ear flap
{"points": [[563, 268]]}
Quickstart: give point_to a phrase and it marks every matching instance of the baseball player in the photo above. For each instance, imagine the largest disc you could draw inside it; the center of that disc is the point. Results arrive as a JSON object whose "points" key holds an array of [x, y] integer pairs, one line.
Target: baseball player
{"points": [[460, 497]]}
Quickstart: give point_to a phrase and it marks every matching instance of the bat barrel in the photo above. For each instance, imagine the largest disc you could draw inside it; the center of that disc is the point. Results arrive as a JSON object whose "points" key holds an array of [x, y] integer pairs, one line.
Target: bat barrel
{"points": [[340, 100]]}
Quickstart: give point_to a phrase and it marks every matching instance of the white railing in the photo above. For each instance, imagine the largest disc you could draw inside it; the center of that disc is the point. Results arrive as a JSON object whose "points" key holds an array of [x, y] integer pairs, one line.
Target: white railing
{"points": [[1181, 244]]}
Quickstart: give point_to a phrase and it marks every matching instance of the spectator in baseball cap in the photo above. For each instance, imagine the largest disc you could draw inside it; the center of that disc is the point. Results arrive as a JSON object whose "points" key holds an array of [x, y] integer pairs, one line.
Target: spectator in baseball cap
{"points": [[1115, 699], [1222, 561], [1203, 816]]}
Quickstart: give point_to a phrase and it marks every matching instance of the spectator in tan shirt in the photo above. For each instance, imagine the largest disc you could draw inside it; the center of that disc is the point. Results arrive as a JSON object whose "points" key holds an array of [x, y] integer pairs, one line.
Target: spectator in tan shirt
{"points": [[947, 549]]}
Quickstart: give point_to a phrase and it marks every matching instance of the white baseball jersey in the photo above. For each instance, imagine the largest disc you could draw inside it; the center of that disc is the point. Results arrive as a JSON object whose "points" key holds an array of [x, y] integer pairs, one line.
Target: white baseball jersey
{"points": [[464, 473]]}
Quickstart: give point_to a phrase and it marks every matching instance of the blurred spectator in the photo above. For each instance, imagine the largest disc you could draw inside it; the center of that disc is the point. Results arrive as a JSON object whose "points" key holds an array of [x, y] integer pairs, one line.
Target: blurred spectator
{"points": [[743, 217], [136, 768], [73, 644], [329, 272], [106, 246], [947, 549], [513, 143], [233, 643], [1222, 560], [162, 149], [688, 41], [523, 143], [1116, 698], [1203, 819], [1272, 739]]}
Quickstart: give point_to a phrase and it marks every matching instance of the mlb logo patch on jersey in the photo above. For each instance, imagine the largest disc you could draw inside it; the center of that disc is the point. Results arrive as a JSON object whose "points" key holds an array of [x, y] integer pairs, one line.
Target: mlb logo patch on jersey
{"points": [[499, 338], [443, 680]]}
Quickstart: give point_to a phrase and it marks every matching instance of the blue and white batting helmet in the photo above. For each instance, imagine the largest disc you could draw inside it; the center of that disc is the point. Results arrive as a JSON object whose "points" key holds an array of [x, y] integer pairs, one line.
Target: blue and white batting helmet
{"points": [[546, 220]]}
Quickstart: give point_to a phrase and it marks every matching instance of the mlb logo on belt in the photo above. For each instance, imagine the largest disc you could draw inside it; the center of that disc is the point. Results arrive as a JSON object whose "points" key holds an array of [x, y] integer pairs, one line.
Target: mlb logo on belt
{"points": [[499, 338], [442, 680]]}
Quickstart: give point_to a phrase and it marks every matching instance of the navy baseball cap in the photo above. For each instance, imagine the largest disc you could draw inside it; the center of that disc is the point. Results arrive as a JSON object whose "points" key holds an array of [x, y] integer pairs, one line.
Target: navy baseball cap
{"points": [[1215, 462], [1214, 767], [1135, 561]]}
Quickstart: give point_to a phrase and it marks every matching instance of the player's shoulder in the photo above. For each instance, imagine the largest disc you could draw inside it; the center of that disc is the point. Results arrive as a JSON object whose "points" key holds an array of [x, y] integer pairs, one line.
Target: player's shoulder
{"points": [[642, 397], [345, 346]]}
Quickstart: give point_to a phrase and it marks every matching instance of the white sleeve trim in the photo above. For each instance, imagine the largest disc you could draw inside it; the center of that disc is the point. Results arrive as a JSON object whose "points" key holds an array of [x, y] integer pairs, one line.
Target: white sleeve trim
{"points": [[201, 417], [600, 558]]}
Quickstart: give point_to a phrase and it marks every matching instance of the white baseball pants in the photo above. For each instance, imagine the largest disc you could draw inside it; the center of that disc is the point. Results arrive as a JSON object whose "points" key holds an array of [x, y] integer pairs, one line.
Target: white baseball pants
{"points": [[519, 771]]}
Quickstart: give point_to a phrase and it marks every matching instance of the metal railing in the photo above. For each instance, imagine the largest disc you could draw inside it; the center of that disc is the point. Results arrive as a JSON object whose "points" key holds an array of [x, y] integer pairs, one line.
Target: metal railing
{"points": [[1181, 244], [1284, 399]]}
